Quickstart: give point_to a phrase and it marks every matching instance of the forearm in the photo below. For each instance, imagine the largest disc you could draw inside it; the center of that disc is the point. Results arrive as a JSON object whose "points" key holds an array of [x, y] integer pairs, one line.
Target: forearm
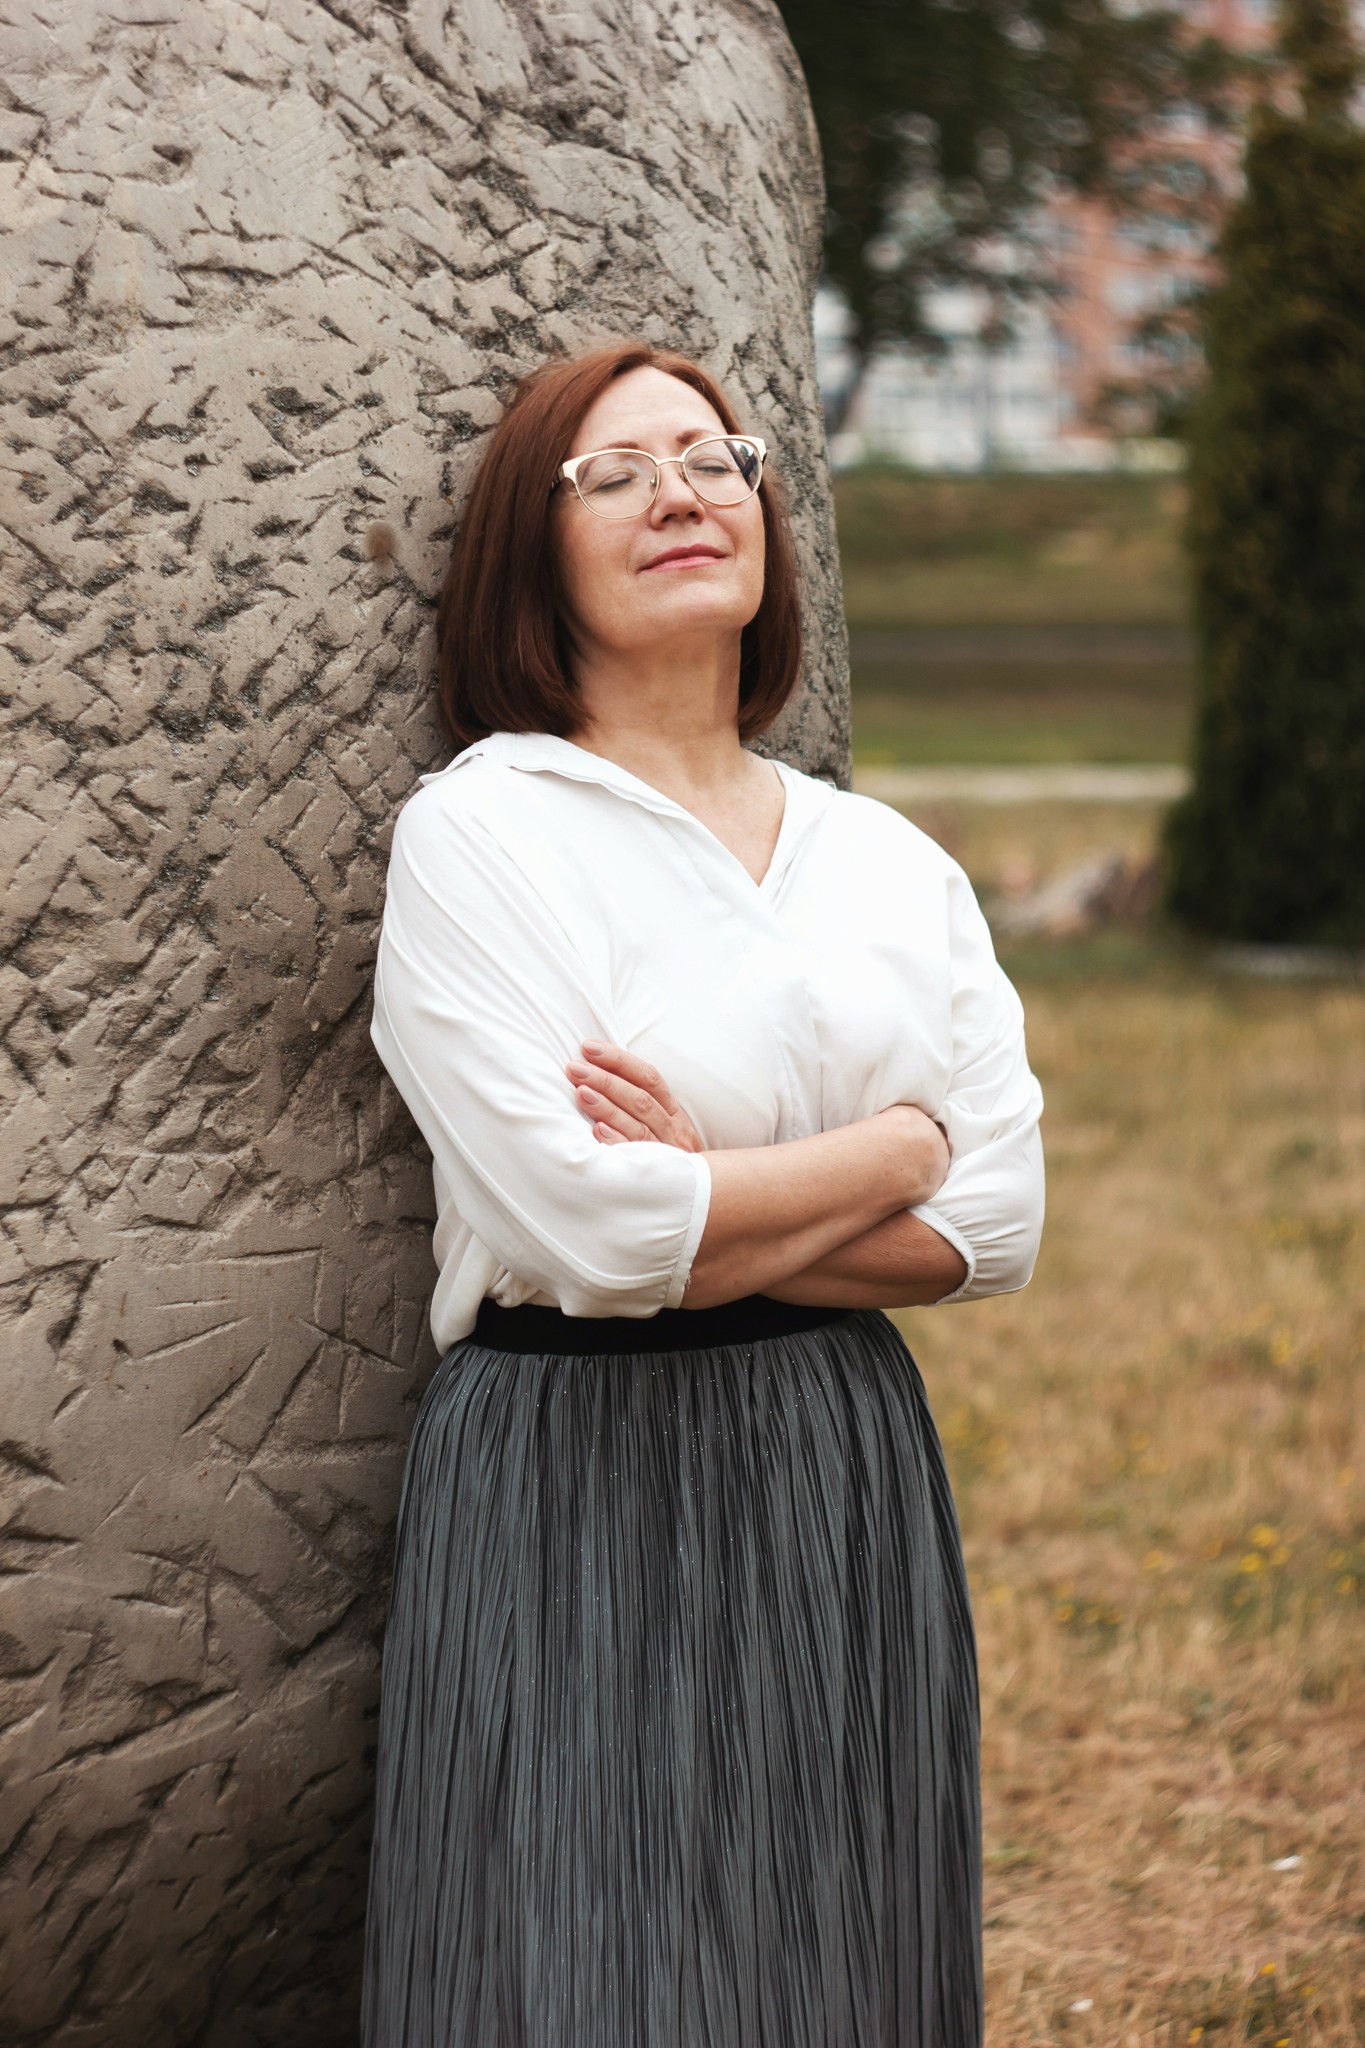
{"points": [[775, 1210], [901, 1262]]}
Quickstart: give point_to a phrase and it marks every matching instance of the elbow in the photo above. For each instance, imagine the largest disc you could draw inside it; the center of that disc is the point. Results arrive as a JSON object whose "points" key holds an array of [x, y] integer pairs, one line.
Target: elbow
{"points": [[648, 1227], [1002, 1267], [1007, 1265], [1001, 1247], [1014, 1255], [1015, 1272], [619, 1278]]}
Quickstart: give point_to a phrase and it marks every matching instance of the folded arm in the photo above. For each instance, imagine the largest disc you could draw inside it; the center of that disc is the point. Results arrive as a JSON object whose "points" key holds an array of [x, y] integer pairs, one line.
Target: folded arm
{"points": [[990, 1205], [902, 1262], [785, 1222], [979, 1232], [480, 1000]]}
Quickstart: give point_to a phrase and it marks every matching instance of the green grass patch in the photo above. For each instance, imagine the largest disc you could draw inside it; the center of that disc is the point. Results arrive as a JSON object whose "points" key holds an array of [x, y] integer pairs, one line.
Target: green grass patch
{"points": [[927, 713], [1010, 550], [1011, 597]]}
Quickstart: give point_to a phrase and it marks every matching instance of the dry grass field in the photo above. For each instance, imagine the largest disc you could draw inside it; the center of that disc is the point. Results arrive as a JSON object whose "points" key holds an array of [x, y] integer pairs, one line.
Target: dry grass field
{"points": [[1159, 1456], [1158, 1448]]}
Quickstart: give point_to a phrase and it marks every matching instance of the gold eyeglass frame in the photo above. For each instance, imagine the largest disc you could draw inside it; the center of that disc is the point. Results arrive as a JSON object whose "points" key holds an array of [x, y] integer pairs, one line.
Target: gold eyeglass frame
{"points": [[568, 472]]}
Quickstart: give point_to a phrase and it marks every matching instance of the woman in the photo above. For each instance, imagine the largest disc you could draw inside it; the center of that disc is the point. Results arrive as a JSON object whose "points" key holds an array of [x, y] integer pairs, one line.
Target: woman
{"points": [[679, 1728]]}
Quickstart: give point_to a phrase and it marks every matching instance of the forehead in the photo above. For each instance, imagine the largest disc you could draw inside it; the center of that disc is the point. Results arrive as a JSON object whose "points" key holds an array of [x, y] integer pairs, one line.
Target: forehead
{"points": [[646, 409]]}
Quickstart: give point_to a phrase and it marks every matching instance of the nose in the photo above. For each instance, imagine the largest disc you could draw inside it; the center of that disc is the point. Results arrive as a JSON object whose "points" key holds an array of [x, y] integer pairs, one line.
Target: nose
{"points": [[675, 494]]}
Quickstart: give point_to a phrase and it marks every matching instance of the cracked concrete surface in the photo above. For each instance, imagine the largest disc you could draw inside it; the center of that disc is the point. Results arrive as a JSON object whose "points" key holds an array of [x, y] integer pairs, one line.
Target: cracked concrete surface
{"points": [[269, 265]]}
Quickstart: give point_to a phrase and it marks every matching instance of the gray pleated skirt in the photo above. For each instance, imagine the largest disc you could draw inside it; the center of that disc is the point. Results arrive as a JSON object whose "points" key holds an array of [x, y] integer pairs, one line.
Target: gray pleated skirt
{"points": [[679, 1728]]}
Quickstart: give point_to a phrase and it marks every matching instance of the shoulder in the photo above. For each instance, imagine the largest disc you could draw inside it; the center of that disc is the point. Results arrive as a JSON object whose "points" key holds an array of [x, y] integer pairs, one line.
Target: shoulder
{"points": [[457, 868], [455, 809], [882, 851], [867, 826]]}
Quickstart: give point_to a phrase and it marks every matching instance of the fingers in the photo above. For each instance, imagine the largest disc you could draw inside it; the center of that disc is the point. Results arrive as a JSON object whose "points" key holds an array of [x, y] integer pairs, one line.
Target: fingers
{"points": [[618, 1100], [604, 1111], [605, 1097], [632, 1069], [644, 1093]]}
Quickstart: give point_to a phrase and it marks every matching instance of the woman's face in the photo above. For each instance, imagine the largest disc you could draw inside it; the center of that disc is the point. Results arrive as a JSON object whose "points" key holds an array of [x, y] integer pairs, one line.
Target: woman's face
{"points": [[619, 594]]}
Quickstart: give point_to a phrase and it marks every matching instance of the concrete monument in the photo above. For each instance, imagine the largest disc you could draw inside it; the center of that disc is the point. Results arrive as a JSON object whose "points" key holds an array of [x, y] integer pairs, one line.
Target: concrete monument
{"points": [[269, 266]]}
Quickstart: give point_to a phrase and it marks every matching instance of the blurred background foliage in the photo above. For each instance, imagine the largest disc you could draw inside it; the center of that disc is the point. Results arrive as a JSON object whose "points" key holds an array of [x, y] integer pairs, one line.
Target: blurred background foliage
{"points": [[1071, 605], [943, 123], [1270, 842]]}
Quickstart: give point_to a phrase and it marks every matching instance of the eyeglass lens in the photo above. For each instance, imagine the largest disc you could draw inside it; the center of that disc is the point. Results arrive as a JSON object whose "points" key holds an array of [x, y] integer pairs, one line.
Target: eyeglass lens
{"points": [[620, 481]]}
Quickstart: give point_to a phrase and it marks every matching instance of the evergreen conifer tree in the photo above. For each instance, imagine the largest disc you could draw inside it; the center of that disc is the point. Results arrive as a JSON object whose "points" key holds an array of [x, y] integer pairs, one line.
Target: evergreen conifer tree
{"points": [[1270, 843]]}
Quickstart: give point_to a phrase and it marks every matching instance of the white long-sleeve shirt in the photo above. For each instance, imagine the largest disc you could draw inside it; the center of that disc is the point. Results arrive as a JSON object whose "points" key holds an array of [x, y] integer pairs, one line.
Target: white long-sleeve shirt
{"points": [[539, 895]]}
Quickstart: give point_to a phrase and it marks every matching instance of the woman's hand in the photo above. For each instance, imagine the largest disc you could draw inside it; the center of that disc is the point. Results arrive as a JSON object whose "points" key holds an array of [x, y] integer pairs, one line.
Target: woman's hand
{"points": [[628, 1100]]}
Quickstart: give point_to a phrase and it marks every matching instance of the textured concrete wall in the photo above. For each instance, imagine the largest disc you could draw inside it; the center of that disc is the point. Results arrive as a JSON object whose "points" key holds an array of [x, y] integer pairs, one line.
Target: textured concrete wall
{"points": [[268, 267]]}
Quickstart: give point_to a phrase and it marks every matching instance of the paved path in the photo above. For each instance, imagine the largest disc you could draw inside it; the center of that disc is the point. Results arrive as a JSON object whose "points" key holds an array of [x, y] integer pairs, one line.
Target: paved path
{"points": [[1076, 783]]}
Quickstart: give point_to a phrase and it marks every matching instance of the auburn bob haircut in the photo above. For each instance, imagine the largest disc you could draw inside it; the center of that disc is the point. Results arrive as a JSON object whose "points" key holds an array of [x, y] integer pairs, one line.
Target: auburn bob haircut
{"points": [[503, 650]]}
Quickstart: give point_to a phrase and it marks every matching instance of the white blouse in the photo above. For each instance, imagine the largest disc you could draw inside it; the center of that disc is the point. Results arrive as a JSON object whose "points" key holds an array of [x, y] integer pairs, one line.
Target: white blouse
{"points": [[539, 895]]}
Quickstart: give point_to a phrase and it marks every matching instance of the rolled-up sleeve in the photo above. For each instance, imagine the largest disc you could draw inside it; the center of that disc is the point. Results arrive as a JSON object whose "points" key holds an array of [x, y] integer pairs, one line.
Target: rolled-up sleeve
{"points": [[479, 999], [990, 1205]]}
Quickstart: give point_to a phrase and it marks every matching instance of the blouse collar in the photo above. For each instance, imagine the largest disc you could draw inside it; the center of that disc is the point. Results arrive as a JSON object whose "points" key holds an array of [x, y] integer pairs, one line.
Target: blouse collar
{"points": [[807, 795]]}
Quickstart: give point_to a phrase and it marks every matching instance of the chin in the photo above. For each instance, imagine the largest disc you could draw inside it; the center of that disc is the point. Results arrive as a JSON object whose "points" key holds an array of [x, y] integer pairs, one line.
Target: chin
{"points": [[700, 610]]}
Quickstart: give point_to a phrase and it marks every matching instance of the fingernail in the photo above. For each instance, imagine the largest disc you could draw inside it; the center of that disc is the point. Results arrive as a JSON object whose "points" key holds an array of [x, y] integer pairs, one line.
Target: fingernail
{"points": [[590, 1095], [592, 1047]]}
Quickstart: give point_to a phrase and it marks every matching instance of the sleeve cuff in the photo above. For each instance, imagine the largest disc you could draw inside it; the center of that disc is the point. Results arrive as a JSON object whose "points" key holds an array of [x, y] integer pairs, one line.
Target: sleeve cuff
{"points": [[927, 1213], [701, 1206]]}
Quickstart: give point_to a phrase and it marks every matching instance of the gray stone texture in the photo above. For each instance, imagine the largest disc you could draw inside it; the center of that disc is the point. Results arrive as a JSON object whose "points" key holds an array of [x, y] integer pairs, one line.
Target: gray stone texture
{"points": [[268, 268]]}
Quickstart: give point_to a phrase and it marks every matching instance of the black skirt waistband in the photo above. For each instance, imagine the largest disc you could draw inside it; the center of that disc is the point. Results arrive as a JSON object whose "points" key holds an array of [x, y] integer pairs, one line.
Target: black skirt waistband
{"points": [[532, 1326]]}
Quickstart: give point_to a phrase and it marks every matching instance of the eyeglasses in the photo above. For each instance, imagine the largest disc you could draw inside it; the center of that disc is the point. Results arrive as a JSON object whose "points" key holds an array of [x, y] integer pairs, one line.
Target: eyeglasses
{"points": [[620, 483]]}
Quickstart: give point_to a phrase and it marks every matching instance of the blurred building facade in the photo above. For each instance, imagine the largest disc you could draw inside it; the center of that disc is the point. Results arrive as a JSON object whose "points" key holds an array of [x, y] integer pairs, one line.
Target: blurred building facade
{"points": [[1077, 381]]}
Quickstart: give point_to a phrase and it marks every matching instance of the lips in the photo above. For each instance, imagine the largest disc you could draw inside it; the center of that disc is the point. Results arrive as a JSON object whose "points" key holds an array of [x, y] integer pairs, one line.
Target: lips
{"points": [[682, 558]]}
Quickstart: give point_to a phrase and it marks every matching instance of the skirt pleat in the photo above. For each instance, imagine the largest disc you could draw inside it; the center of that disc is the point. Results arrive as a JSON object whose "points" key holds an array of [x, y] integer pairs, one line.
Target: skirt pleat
{"points": [[679, 1730]]}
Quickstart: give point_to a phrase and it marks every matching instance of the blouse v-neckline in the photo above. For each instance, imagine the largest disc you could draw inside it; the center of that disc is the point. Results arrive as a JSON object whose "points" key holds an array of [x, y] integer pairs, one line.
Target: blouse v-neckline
{"points": [[778, 845], [536, 750]]}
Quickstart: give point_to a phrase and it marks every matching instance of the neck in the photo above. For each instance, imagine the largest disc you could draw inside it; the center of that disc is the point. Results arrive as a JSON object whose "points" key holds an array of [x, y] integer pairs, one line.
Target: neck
{"points": [[669, 714]]}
